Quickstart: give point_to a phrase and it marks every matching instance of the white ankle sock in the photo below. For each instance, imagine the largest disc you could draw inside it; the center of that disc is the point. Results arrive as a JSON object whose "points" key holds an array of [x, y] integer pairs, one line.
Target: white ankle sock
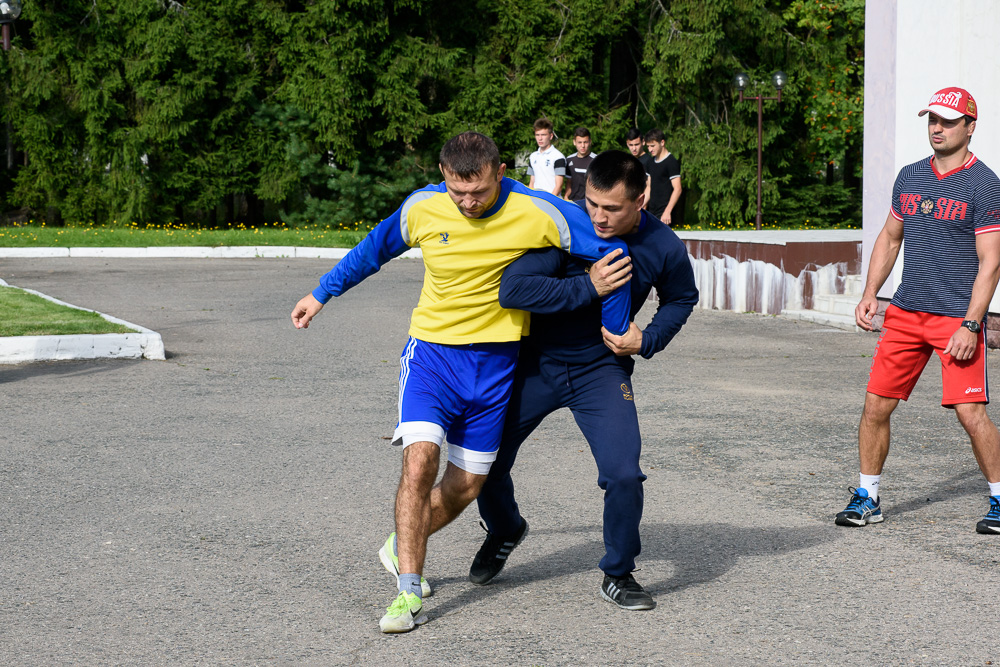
{"points": [[994, 488], [870, 484]]}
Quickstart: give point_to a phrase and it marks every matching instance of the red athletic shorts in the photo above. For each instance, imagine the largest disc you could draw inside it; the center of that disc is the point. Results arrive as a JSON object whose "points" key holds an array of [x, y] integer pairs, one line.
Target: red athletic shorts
{"points": [[907, 340]]}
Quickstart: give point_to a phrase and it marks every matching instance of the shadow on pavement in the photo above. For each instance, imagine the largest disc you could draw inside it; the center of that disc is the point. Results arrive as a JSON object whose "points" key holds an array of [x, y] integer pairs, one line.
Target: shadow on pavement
{"points": [[704, 552], [58, 368], [968, 483], [700, 553]]}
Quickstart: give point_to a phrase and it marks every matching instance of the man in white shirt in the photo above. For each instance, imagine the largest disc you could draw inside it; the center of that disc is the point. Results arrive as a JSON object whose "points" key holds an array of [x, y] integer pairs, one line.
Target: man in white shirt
{"points": [[546, 166]]}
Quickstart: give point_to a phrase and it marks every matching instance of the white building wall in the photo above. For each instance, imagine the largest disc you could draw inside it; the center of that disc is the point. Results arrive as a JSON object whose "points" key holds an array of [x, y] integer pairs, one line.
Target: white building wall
{"points": [[914, 48]]}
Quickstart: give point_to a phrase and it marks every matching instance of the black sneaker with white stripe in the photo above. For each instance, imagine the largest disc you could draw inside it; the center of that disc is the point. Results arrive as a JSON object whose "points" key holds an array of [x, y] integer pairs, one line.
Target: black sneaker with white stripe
{"points": [[626, 593], [493, 554], [991, 522]]}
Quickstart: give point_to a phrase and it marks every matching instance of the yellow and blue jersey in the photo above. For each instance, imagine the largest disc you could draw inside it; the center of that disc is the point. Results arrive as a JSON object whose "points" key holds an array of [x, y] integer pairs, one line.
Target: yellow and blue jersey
{"points": [[464, 259]]}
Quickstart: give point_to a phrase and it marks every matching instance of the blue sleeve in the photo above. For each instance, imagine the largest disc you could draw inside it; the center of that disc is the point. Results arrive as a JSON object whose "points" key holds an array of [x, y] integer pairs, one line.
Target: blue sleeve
{"points": [[677, 294], [534, 282], [584, 243], [365, 259]]}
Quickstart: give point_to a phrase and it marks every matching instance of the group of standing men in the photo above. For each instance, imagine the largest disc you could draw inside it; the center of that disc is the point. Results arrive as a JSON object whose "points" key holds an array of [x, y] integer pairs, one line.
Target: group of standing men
{"points": [[495, 250], [550, 171]]}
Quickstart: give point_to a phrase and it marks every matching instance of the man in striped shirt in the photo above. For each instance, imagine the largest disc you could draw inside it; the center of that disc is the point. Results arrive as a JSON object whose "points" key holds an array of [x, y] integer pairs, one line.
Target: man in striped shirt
{"points": [[947, 209]]}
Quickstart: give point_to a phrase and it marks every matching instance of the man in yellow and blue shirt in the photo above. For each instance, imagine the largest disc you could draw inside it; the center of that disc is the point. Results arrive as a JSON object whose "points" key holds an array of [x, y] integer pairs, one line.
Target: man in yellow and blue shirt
{"points": [[458, 365]]}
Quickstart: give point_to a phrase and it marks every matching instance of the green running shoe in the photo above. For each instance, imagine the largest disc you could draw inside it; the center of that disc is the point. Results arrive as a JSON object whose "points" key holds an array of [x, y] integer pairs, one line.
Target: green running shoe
{"points": [[405, 613], [391, 563]]}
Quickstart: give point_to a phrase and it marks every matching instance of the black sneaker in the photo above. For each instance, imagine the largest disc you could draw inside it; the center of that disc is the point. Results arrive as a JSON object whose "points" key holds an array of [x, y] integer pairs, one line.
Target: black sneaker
{"points": [[493, 554], [861, 511], [991, 522], [626, 593]]}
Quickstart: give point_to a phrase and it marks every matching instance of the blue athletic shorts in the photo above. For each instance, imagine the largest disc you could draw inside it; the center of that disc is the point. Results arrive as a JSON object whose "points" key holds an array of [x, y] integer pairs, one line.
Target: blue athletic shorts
{"points": [[457, 393]]}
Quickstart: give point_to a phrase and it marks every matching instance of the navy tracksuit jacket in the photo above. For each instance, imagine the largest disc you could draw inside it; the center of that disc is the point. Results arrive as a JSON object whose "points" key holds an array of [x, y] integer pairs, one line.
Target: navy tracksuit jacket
{"points": [[564, 363]]}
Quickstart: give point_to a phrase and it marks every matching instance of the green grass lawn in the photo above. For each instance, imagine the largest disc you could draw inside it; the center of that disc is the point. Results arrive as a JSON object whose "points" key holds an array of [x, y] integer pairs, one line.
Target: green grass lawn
{"points": [[143, 236], [139, 236], [24, 314]]}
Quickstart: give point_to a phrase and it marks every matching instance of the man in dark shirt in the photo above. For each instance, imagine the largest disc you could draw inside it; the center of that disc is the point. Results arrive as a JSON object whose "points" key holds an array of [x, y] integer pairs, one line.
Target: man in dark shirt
{"points": [[570, 361], [664, 173], [576, 166], [634, 142]]}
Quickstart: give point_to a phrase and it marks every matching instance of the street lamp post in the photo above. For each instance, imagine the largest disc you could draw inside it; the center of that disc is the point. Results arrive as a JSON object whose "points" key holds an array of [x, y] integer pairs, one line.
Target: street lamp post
{"points": [[740, 82], [9, 11]]}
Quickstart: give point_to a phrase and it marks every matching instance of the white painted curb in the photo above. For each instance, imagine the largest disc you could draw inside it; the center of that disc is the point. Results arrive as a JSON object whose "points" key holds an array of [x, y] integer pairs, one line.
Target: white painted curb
{"points": [[34, 252], [192, 252], [23, 349], [145, 344]]}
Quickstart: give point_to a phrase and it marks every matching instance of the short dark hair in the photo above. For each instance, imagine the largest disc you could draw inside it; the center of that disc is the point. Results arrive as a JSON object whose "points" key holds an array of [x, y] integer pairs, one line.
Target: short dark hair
{"points": [[543, 124], [470, 154], [655, 135], [613, 167], [581, 132], [633, 134]]}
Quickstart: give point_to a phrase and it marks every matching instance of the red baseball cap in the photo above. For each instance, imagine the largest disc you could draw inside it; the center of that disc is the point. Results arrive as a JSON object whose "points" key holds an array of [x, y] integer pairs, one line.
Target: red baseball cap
{"points": [[952, 103]]}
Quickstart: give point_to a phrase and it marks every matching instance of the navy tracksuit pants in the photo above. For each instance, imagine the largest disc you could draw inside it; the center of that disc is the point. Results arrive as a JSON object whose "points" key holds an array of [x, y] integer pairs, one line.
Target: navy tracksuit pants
{"points": [[600, 396]]}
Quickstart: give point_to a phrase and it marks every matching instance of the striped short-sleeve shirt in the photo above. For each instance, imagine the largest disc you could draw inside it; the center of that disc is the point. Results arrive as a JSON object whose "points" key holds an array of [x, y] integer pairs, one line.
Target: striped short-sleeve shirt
{"points": [[941, 216]]}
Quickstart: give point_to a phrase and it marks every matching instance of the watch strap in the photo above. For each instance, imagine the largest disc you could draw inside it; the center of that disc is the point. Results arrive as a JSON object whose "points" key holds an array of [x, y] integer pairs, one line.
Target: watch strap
{"points": [[972, 325]]}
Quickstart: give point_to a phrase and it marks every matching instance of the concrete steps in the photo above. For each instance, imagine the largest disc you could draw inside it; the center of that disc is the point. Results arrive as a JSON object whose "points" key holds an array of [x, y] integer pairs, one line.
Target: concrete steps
{"points": [[854, 285], [835, 304], [833, 310], [827, 319]]}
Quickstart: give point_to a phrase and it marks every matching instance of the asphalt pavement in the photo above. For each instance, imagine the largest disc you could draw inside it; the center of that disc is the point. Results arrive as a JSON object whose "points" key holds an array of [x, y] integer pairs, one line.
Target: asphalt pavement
{"points": [[226, 506]]}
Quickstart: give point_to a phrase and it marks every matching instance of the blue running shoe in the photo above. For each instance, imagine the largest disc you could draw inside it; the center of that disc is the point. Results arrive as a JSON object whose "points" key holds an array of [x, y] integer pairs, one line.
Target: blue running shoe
{"points": [[991, 522], [863, 510]]}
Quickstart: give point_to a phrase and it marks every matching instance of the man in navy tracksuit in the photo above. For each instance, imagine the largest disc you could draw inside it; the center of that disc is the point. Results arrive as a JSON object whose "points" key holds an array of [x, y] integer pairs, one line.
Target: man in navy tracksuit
{"points": [[570, 361]]}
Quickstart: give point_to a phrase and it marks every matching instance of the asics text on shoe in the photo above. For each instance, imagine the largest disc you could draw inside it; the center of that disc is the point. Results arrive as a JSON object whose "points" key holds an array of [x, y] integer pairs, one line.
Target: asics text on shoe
{"points": [[861, 511], [492, 556]]}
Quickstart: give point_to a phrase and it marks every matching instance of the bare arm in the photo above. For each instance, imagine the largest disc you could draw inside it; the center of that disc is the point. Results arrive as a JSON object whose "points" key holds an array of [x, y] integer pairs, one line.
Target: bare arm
{"points": [[883, 258], [673, 200], [559, 184], [963, 342]]}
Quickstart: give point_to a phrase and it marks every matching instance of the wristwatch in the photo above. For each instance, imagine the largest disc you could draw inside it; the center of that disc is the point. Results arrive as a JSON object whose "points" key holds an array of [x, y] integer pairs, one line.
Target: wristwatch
{"points": [[972, 325]]}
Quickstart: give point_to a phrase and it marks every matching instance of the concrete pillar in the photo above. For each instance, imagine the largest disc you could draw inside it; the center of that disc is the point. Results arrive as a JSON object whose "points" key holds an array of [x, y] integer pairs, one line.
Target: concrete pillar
{"points": [[912, 49]]}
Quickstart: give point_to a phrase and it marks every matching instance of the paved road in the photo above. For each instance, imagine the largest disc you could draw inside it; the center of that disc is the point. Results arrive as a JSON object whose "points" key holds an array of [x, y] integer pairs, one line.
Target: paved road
{"points": [[225, 506]]}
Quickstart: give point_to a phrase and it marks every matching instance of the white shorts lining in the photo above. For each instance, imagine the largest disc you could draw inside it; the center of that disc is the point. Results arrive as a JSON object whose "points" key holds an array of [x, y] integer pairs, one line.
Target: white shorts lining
{"points": [[408, 433]]}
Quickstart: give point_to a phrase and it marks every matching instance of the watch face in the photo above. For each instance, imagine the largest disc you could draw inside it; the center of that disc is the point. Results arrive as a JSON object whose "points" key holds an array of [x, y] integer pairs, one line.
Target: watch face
{"points": [[972, 326]]}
